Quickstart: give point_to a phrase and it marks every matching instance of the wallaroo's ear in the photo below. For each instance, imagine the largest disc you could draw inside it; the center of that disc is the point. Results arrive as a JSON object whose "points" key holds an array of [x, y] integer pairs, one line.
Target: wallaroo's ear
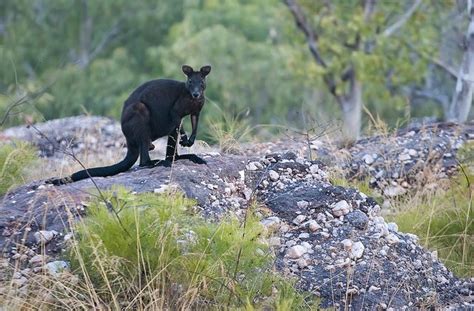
{"points": [[205, 70], [187, 70]]}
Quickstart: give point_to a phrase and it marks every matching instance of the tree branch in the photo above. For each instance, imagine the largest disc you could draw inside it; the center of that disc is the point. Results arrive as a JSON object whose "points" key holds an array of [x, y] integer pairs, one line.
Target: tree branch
{"points": [[108, 37], [403, 19], [440, 64], [303, 25], [369, 8], [441, 99], [25, 99]]}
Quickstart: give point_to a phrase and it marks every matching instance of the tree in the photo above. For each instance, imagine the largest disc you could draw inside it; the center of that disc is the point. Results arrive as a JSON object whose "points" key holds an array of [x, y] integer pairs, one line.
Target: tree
{"points": [[360, 48], [246, 44], [462, 97]]}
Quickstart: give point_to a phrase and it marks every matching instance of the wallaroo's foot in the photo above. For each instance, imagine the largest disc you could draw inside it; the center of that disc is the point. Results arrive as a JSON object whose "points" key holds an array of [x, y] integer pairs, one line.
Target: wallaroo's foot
{"points": [[148, 164], [59, 181], [192, 157], [164, 163]]}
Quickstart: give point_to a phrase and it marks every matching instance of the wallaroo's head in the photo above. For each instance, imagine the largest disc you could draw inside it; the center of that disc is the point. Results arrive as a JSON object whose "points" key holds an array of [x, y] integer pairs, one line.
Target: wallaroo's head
{"points": [[196, 83]]}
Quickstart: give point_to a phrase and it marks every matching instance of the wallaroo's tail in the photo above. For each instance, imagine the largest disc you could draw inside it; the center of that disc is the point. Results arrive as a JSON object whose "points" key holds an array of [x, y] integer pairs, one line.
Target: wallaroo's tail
{"points": [[122, 166]]}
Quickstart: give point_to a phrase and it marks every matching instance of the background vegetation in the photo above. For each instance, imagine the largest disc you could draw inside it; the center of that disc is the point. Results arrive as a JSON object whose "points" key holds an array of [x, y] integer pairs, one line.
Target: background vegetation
{"points": [[16, 158], [87, 56]]}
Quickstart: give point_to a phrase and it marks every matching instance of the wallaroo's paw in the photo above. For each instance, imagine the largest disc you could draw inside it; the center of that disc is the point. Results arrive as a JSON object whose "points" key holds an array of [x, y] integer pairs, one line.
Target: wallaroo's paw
{"points": [[59, 181], [183, 140], [186, 143]]}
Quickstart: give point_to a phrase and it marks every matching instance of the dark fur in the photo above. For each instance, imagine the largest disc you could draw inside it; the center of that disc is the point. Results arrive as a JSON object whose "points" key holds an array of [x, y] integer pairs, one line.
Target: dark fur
{"points": [[155, 110]]}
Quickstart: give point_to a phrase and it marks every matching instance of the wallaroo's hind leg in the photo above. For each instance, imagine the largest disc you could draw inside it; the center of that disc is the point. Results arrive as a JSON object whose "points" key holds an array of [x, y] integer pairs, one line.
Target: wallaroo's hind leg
{"points": [[170, 150], [136, 127]]}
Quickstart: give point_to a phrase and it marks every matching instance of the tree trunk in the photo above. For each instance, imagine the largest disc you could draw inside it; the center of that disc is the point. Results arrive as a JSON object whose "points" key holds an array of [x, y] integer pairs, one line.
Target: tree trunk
{"points": [[462, 97], [85, 35], [351, 106]]}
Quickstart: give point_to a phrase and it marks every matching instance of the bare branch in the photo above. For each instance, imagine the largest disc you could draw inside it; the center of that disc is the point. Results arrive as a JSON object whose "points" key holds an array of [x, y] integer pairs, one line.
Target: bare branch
{"points": [[20, 101], [369, 8], [403, 19], [440, 98], [303, 25], [440, 64], [25, 99]]}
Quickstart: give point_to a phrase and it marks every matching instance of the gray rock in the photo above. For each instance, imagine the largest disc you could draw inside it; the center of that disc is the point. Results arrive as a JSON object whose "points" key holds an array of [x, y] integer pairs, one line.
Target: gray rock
{"points": [[56, 267], [274, 176], [368, 159], [357, 250], [347, 244], [37, 260], [341, 208], [313, 225], [299, 219], [394, 191], [302, 204], [272, 222], [357, 219], [44, 236], [392, 239], [296, 251]]}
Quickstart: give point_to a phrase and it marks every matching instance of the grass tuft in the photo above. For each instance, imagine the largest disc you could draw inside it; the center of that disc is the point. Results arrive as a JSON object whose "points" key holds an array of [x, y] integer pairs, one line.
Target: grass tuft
{"points": [[15, 158], [443, 219]]}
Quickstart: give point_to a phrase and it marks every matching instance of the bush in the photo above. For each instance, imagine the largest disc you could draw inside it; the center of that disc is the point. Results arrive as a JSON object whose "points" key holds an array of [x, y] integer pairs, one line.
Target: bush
{"points": [[15, 158], [151, 253]]}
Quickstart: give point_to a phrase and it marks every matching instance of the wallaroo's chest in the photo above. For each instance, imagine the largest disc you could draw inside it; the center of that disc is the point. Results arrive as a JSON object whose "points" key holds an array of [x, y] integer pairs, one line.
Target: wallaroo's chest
{"points": [[187, 106]]}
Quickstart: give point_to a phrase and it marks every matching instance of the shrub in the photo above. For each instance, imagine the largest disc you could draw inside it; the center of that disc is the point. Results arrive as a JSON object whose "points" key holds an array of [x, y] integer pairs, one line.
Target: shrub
{"points": [[151, 253], [15, 157]]}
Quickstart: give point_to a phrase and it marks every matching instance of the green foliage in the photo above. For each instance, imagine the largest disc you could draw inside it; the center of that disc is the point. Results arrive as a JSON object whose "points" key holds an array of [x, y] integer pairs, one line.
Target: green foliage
{"points": [[444, 221], [73, 93], [15, 158], [384, 65], [102, 50], [152, 253]]}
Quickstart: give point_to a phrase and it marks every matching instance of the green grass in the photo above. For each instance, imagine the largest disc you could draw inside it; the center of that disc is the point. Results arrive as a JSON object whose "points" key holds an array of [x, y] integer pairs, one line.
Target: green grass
{"points": [[15, 158], [153, 254], [443, 219], [228, 130], [363, 185]]}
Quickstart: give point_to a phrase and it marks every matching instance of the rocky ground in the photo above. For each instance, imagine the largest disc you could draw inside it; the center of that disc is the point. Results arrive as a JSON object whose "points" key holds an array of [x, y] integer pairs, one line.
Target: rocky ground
{"points": [[332, 239]]}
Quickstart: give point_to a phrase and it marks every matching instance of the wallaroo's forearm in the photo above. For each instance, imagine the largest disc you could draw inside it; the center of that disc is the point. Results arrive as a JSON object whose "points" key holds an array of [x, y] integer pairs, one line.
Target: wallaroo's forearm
{"points": [[194, 124]]}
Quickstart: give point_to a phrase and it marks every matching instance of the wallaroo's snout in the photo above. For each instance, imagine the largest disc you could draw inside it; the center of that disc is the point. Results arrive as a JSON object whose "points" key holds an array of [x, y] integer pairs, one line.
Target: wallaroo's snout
{"points": [[196, 82]]}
